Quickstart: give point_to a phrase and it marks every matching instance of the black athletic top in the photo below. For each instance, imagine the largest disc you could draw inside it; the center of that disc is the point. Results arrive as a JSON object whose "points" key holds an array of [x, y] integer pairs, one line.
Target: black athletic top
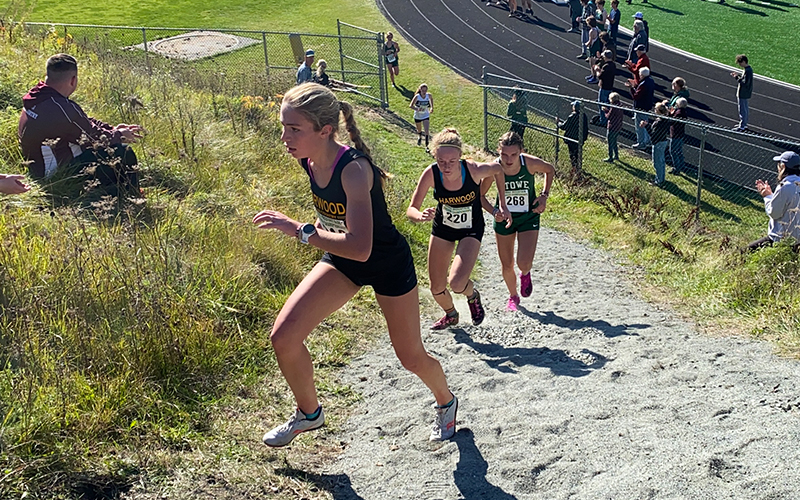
{"points": [[458, 210], [390, 52], [331, 206]]}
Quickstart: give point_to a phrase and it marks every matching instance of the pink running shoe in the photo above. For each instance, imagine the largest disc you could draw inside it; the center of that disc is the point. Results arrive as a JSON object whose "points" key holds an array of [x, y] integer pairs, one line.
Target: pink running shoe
{"points": [[445, 322], [476, 309], [512, 304], [525, 285]]}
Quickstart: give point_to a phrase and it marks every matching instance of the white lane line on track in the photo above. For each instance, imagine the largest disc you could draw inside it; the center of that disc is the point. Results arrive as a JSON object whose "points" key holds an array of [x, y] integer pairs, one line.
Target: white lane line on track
{"points": [[695, 90], [700, 59], [526, 61]]}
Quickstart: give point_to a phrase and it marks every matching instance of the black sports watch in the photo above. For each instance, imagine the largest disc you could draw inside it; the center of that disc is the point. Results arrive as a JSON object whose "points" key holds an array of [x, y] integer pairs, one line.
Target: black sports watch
{"points": [[305, 232]]}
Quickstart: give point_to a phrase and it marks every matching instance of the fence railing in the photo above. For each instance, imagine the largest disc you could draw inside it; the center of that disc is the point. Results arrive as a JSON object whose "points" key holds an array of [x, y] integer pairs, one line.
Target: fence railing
{"points": [[712, 173], [353, 55]]}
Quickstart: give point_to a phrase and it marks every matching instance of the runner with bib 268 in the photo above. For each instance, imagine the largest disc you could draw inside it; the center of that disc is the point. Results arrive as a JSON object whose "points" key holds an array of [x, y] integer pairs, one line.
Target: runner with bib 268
{"points": [[523, 204], [457, 222]]}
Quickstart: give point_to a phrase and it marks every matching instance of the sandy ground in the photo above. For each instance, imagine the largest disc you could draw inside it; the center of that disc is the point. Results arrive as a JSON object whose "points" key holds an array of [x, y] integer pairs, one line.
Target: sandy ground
{"points": [[588, 392]]}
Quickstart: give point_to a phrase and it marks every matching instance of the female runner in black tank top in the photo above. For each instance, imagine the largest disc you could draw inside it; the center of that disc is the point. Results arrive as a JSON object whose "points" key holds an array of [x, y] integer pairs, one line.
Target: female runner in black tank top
{"points": [[390, 50], [362, 248], [457, 223]]}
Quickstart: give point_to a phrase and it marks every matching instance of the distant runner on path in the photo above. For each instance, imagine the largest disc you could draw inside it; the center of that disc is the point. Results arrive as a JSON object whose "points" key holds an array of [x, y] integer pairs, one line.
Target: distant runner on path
{"points": [[524, 207], [362, 248], [390, 50], [457, 223]]}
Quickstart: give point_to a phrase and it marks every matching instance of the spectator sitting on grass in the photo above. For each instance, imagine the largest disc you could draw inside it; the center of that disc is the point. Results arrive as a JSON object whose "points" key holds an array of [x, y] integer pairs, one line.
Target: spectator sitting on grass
{"points": [[659, 135], [55, 133], [782, 206], [12, 184], [320, 76], [304, 73]]}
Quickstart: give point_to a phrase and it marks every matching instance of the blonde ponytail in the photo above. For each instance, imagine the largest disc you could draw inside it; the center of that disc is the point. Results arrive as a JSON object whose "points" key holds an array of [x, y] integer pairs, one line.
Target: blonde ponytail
{"points": [[320, 106]]}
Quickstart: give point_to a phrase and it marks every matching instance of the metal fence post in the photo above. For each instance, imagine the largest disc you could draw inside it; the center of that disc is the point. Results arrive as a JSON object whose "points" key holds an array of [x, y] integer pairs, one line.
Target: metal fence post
{"points": [[580, 139], [341, 49], [64, 45], [146, 54], [382, 73], [266, 57], [555, 162], [700, 173], [485, 110]]}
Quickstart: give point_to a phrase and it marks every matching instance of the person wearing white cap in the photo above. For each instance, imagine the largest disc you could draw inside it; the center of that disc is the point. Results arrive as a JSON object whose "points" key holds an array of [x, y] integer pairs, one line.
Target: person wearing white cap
{"points": [[640, 17], [782, 206], [304, 72]]}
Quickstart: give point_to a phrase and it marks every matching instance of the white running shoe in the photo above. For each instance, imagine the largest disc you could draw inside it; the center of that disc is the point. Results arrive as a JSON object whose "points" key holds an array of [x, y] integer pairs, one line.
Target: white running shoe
{"points": [[286, 432], [444, 426]]}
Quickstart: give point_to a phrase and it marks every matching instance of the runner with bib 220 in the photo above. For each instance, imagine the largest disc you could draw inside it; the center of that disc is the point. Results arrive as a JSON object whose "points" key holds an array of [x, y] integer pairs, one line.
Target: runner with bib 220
{"points": [[457, 222]]}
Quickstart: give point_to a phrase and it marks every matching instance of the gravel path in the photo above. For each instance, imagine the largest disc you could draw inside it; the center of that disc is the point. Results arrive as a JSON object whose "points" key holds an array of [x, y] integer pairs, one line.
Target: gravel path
{"points": [[588, 392]]}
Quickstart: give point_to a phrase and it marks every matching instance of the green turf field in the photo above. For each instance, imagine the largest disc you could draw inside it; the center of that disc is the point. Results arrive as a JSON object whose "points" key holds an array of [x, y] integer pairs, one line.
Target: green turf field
{"points": [[762, 30]]}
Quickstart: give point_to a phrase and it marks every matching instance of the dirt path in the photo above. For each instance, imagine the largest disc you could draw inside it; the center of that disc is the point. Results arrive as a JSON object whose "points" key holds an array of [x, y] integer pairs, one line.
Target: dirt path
{"points": [[588, 393]]}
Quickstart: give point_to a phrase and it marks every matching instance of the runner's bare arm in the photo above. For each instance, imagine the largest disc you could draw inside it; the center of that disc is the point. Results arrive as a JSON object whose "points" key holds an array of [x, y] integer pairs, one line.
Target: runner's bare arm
{"points": [[423, 186], [356, 243], [537, 165]]}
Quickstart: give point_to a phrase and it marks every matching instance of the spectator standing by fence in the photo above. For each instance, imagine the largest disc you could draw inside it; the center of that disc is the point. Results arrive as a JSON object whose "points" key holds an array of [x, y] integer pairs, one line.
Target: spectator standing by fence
{"points": [[641, 61], [594, 46], [518, 111], [575, 11], [642, 101], [606, 72], [639, 38], [573, 130], [586, 13], [304, 72], [613, 25], [640, 17], [679, 90], [782, 206], [677, 134], [659, 135], [614, 118], [744, 91]]}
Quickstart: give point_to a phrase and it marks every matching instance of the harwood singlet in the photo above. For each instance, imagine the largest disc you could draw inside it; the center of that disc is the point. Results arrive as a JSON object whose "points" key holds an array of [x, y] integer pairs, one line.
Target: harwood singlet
{"points": [[458, 213], [520, 190], [330, 204], [390, 52]]}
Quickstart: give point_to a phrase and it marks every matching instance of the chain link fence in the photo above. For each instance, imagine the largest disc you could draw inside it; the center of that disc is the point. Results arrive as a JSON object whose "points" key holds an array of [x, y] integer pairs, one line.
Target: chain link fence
{"points": [[712, 175], [231, 61]]}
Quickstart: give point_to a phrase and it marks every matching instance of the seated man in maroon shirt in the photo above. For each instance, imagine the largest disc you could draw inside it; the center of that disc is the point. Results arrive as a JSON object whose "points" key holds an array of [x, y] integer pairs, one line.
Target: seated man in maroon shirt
{"points": [[55, 133]]}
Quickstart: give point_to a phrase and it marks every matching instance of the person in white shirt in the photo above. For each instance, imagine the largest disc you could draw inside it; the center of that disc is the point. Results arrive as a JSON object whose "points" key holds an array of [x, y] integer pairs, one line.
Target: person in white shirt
{"points": [[783, 205]]}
